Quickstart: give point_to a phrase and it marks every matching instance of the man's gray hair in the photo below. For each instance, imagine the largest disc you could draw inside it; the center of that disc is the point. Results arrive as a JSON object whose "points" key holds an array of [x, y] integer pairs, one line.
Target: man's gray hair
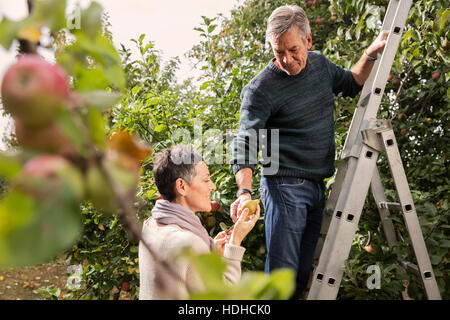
{"points": [[283, 18]]}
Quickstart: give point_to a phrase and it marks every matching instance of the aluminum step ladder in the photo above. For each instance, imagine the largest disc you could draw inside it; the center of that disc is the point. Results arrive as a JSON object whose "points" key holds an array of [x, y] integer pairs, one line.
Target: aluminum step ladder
{"points": [[367, 137]]}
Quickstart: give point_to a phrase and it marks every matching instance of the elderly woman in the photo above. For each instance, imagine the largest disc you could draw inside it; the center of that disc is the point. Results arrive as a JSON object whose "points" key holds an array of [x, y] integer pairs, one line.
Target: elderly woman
{"points": [[183, 180]]}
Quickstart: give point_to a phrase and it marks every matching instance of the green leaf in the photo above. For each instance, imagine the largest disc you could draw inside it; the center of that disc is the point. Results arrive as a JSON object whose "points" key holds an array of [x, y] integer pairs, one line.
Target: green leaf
{"points": [[435, 259], [160, 128], [8, 30], [206, 20], [205, 85], [91, 79], [70, 129], [100, 49], [223, 226], [16, 210], [51, 13], [141, 38], [136, 89], [210, 267], [101, 99], [211, 28], [10, 165], [445, 243], [430, 208], [51, 226], [279, 285], [91, 20], [96, 127], [283, 281], [441, 20], [104, 72], [208, 296], [115, 75], [254, 284]]}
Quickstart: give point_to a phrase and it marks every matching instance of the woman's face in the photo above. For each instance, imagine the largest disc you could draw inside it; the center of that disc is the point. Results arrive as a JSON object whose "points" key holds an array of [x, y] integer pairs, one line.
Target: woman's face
{"points": [[198, 193]]}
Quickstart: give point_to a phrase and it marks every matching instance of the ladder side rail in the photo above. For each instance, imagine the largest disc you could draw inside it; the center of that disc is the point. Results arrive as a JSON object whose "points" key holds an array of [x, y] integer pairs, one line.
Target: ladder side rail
{"points": [[396, 15], [410, 215], [355, 124], [381, 72], [387, 59], [328, 274], [344, 193], [341, 193], [330, 205], [354, 130]]}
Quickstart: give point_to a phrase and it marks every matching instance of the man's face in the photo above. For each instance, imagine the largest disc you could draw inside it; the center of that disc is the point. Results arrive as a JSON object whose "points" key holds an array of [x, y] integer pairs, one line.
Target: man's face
{"points": [[291, 51]]}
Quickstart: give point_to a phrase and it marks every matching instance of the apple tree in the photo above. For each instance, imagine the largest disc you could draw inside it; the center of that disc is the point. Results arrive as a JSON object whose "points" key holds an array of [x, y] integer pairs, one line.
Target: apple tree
{"points": [[64, 156], [233, 50]]}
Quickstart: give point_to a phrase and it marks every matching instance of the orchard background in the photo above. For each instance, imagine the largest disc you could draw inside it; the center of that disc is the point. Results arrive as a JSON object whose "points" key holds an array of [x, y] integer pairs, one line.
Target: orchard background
{"points": [[142, 96]]}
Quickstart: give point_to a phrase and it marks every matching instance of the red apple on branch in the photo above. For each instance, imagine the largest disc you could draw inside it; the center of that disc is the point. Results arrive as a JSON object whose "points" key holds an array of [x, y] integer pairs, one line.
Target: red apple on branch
{"points": [[43, 176], [47, 139], [215, 206], [32, 90]]}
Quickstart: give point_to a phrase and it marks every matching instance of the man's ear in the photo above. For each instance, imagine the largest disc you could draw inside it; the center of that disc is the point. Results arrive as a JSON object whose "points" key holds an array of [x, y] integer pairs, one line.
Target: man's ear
{"points": [[180, 187], [309, 41]]}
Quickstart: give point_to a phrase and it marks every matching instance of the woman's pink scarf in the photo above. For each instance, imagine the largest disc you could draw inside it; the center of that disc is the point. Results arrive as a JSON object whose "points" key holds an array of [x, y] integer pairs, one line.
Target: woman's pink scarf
{"points": [[166, 212]]}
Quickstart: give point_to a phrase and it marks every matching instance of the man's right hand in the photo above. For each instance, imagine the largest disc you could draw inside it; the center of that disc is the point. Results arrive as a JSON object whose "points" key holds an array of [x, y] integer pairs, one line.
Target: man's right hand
{"points": [[234, 208]]}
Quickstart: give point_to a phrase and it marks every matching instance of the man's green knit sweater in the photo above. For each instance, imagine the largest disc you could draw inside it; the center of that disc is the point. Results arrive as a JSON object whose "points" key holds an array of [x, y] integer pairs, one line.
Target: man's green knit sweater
{"points": [[301, 108]]}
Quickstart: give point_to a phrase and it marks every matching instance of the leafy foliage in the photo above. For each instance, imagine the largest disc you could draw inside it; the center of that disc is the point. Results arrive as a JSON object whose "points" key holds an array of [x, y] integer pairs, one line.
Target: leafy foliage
{"points": [[233, 50]]}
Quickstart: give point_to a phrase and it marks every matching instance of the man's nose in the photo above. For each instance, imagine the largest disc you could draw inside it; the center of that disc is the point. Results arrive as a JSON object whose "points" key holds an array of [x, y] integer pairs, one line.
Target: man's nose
{"points": [[287, 59]]}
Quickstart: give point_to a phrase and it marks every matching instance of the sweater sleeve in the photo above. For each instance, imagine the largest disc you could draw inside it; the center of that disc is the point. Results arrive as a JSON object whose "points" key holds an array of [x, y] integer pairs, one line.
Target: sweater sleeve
{"points": [[233, 255], [254, 112], [342, 80]]}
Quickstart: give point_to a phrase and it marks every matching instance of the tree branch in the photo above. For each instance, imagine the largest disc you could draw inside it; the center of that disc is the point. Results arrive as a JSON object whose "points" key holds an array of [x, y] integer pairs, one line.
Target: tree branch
{"points": [[25, 46]]}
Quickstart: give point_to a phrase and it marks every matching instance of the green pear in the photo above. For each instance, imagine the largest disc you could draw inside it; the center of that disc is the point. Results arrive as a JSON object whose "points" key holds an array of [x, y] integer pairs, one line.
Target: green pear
{"points": [[251, 205]]}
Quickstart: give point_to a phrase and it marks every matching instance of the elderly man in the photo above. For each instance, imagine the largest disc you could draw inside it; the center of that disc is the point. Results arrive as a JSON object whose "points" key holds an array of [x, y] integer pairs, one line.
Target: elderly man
{"points": [[294, 94]]}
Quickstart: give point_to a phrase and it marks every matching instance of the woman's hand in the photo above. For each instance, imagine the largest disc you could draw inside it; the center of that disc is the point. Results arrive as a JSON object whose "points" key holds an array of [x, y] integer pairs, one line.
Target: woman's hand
{"points": [[220, 241], [234, 208], [243, 225]]}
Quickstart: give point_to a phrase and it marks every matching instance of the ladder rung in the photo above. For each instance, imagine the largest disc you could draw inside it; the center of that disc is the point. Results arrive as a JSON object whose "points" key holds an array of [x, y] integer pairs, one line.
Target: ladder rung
{"points": [[410, 266], [390, 205]]}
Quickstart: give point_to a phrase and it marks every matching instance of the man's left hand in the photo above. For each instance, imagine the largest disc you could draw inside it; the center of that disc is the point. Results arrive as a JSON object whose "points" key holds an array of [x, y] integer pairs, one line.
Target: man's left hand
{"points": [[378, 44]]}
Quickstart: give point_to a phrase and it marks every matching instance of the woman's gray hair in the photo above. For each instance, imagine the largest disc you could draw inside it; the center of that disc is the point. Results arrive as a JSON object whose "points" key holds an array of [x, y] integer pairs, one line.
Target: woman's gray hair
{"points": [[283, 18]]}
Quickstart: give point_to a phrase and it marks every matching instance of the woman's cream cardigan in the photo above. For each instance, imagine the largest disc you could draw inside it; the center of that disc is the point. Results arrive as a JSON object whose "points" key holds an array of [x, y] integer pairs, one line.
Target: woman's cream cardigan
{"points": [[166, 241]]}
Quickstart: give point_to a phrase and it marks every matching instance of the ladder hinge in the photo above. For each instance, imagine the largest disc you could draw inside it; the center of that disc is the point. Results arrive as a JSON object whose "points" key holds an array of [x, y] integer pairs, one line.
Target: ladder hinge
{"points": [[370, 136]]}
